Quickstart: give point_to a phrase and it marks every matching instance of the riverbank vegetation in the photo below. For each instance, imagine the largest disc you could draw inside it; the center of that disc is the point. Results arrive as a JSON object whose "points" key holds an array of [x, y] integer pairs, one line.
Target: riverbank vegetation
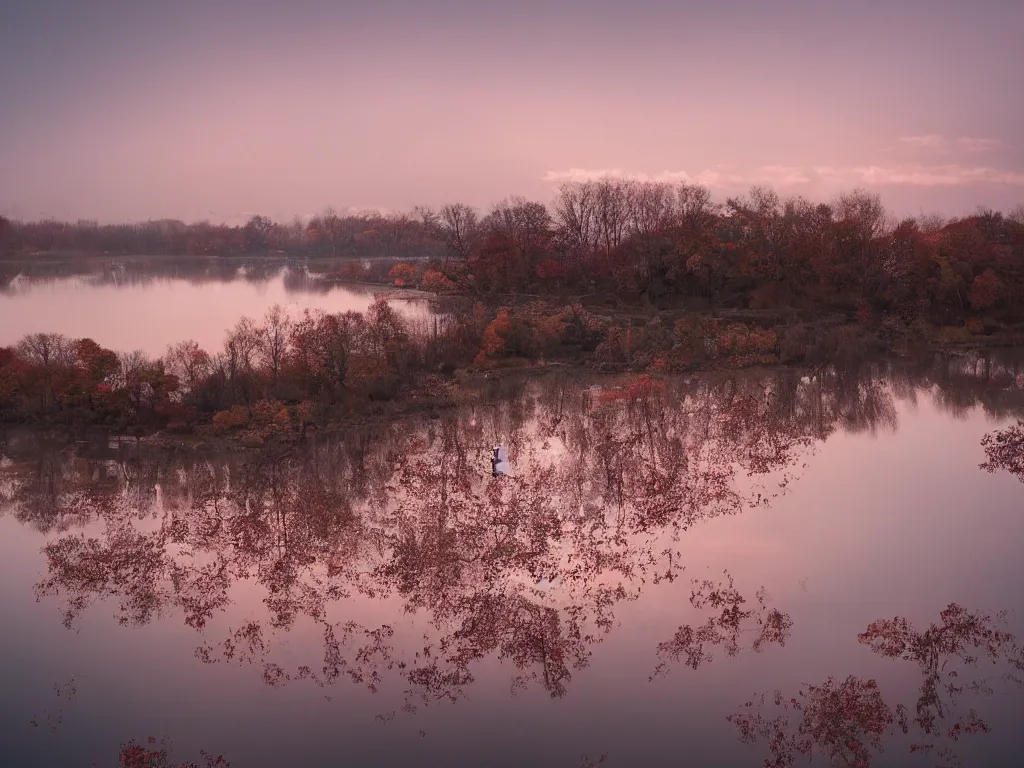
{"points": [[636, 244], [282, 374], [616, 275]]}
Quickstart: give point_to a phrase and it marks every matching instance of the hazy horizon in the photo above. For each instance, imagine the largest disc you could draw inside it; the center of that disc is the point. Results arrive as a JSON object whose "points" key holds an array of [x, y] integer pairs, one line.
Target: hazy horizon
{"points": [[217, 111]]}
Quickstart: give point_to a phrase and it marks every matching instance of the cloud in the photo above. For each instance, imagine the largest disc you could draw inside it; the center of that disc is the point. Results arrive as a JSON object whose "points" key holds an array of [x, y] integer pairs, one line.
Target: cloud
{"points": [[724, 177], [973, 144], [930, 141], [366, 210], [921, 175], [937, 144], [720, 176], [584, 174]]}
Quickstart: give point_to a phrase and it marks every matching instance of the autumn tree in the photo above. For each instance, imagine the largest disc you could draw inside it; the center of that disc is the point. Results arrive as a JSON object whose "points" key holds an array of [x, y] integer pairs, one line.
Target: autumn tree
{"points": [[319, 348], [985, 290]]}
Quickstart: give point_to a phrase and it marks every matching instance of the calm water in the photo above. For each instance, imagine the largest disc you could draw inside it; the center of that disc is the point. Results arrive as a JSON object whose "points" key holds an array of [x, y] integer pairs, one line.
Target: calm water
{"points": [[149, 309], [650, 565]]}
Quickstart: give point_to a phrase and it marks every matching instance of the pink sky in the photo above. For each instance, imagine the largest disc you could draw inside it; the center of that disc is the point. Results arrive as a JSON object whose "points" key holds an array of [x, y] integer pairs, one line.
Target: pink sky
{"points": [[115, 111]]}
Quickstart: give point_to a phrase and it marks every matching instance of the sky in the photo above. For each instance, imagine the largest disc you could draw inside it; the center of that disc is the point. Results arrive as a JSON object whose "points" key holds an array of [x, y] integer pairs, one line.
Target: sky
{"points": [[123, 111]]}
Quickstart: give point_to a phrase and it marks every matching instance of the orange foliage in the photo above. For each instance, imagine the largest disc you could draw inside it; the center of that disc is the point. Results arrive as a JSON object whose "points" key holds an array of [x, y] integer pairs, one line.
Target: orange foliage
{"points": [[402, 275], [495, 335], [225, 421], [436, 282]]}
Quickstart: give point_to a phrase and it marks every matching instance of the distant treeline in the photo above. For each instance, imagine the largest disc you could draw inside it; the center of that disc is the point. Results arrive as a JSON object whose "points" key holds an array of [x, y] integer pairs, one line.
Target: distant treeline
{"points": [[640, 241], [326, 235]]}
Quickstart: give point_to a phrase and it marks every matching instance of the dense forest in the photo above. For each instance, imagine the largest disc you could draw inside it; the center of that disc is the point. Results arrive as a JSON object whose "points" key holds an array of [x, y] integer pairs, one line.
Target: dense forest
{"points": [[636, 242]]}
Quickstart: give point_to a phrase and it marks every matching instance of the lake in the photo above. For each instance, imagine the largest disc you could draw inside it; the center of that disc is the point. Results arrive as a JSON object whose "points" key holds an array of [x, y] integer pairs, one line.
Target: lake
{"points": [[149, 304], [659, 555]]}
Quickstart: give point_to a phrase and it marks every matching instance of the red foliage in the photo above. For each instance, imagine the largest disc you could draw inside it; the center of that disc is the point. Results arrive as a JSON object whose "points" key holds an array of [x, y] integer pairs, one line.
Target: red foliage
{"points": [[549, 269], [1005, 450], [985, 290], [158, 755], [641, 387]]}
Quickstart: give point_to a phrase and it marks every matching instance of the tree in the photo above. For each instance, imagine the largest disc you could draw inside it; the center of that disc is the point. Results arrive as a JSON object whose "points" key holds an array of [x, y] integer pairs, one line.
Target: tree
{"points": [[240, 350], [319, 351], [258, 232], [458, 226], [574, 208], [651, 207], [518, 232], [51, 355], [189, 363], [272, 340], [1017, 215], [5, 232], [984, 291]]}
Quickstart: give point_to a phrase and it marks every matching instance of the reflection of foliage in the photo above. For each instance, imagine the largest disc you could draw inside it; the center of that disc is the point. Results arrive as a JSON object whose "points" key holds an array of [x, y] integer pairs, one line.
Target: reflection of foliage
{"points": [[528, 568], [155, 754], [1005, 450], [847, 721], [844, 721], [768, 625], [959, 637], [53, 720]]}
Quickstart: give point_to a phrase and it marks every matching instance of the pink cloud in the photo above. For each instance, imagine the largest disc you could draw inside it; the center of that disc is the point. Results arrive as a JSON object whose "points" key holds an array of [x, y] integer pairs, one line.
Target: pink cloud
{"points": [[974, 144], [930, 141], [938, 144], [723, 177]]}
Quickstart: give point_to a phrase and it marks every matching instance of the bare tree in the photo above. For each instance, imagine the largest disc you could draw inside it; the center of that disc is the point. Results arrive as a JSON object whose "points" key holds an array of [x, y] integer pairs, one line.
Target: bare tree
{"points": [[131, 377], [240, 349], [1017, 214], [694, 209], [459, 229], [865, 210], [574, 213], [651, 207], [53, 353], [272, 340], [930, 223], [612, 207], [189, 363], [521, 222]]}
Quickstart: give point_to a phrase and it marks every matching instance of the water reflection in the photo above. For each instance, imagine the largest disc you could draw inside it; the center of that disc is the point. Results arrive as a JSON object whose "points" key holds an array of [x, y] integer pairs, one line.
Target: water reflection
{"points": [[847, 721], [765, 625], [533, 569], [1004, 450], [168, 303]]}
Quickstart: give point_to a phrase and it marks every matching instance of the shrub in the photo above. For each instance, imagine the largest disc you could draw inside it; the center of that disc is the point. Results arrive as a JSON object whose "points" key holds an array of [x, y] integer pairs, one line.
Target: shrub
{"points": [[402, 275], [225, 421], [433, 280]]}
